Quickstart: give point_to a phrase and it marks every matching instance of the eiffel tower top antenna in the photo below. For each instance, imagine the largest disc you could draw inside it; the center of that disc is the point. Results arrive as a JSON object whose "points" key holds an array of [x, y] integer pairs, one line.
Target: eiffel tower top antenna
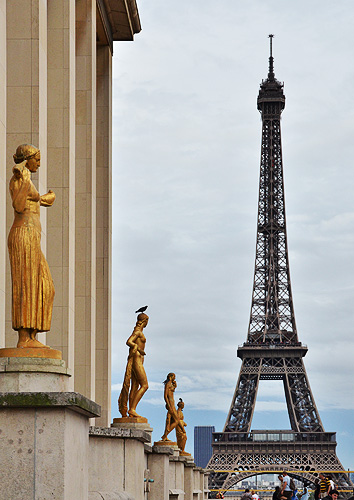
{"points": [[271, 75]]}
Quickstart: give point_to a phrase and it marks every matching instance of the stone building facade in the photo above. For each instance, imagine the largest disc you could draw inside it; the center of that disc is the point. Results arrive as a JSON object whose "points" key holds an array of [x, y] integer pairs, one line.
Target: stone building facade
{"points": [[56, 93]]}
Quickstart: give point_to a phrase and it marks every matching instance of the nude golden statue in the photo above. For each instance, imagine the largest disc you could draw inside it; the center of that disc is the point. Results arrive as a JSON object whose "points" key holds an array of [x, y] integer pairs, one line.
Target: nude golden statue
{"points": [[135, 382], [32, 284]]}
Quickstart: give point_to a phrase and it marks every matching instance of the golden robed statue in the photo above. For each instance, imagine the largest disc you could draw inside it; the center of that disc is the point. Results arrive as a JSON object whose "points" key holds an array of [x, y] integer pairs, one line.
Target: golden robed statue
{"points": [[32, 284], [135, 382]]}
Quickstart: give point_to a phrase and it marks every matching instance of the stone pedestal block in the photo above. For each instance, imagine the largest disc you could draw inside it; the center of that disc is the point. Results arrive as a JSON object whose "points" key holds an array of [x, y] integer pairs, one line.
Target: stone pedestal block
{"points": [[44, 445], [117, 460], [132, 423], [33, 375]]}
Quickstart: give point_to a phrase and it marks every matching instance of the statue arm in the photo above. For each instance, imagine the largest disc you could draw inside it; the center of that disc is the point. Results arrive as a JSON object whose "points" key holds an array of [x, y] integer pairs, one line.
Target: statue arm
{"points": [[131, 343], [19, 187], [48, 199]]}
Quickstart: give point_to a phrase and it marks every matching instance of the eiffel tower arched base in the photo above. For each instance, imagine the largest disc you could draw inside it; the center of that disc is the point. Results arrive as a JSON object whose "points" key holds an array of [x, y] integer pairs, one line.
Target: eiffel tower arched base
{"points": [[232, 466]]}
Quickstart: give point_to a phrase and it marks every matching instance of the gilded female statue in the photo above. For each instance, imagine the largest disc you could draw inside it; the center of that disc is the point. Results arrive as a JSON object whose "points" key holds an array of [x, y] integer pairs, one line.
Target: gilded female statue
{"points": [[172, 419], [32, 284], [135, 382]]}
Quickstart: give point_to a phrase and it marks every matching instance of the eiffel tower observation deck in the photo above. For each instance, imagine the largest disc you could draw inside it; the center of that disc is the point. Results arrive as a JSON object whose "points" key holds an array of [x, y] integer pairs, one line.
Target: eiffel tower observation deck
{"points": [[272, 350]]}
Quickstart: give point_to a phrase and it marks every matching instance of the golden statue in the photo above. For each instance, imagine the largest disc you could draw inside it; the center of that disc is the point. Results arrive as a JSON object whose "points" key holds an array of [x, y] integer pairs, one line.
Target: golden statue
{"points": [[172, 419], [135, 377], [181, 435], [32, 284]]}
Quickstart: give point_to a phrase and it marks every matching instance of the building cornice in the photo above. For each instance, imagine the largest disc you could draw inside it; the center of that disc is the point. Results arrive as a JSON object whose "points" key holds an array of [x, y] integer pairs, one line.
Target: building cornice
{"points": [[123, 17]]}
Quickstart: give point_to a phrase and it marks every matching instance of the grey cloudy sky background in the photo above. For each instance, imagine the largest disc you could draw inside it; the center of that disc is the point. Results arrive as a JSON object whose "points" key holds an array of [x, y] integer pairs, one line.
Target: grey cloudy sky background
{"points": [[186, 150]]}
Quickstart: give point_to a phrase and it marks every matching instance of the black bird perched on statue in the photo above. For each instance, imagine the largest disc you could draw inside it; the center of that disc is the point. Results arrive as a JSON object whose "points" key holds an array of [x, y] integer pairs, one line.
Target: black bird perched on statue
{"points": [[141, 310]]}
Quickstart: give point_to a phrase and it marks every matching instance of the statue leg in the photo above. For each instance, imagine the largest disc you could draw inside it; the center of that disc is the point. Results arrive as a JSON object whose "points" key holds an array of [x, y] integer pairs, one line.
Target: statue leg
{"points": [[27, 338], [167, 427], [138, 378], [174, 424], [132, 397]]}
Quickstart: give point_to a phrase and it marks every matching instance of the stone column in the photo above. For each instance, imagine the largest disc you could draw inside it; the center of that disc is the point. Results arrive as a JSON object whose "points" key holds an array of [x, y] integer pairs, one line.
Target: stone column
{"points": [[3, 169], [26, 70], [103, 232], [189, 479], [158, 464], [198, 484], [204, 479], [85, 187], [176, 477], [61, 172]]}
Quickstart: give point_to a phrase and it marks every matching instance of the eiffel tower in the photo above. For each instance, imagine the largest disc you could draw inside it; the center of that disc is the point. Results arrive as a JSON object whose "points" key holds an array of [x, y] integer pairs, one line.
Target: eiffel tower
{"points": [[272, 350]]}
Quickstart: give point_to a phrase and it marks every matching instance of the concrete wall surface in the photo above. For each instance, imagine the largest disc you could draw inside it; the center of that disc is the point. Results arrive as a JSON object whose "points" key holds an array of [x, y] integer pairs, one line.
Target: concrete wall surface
{"points": [[101, 495], [123, 465], [43, 454]]}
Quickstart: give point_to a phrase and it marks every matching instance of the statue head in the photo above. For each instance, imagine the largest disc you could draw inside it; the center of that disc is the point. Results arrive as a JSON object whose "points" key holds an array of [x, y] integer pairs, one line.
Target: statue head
{"points": [[180, 404], [142, 319], [30, 154], [170, 378]]}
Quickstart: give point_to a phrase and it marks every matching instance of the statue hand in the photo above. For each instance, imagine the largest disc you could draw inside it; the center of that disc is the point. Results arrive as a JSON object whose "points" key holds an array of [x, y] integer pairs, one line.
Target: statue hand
{"points": [[48, 199], [141, 352]]}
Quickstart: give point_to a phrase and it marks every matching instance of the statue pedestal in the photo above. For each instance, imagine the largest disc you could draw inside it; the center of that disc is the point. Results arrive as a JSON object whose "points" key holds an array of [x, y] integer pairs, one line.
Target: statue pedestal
{"points": [[33, 375], [30, 352], [44, 431], [167, 443], [130, 420], [140, 423], [118, 461]]}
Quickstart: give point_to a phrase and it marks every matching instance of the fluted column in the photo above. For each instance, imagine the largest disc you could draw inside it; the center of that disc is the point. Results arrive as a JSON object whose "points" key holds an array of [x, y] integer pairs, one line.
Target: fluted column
{"points": [[61, 172], [104, 232], [26, 104], [85, 188], [3, 183]]}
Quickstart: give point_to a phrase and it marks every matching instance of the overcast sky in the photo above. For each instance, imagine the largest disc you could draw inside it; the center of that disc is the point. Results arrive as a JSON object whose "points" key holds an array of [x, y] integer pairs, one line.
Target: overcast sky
{"points": [[186, 151]]}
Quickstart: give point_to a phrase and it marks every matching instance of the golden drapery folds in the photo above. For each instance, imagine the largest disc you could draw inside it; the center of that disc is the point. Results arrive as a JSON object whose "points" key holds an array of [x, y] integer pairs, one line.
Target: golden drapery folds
{"points": [[32, 284], [135, 382]]}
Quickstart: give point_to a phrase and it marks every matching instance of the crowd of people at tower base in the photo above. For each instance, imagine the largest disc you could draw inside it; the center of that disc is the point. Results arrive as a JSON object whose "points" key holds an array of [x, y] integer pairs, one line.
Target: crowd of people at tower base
{"points": [[325, 489]]}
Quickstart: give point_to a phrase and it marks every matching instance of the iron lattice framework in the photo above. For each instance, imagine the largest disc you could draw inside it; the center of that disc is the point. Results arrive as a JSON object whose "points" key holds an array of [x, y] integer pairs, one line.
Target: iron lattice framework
{"points": [[272, 350]]}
